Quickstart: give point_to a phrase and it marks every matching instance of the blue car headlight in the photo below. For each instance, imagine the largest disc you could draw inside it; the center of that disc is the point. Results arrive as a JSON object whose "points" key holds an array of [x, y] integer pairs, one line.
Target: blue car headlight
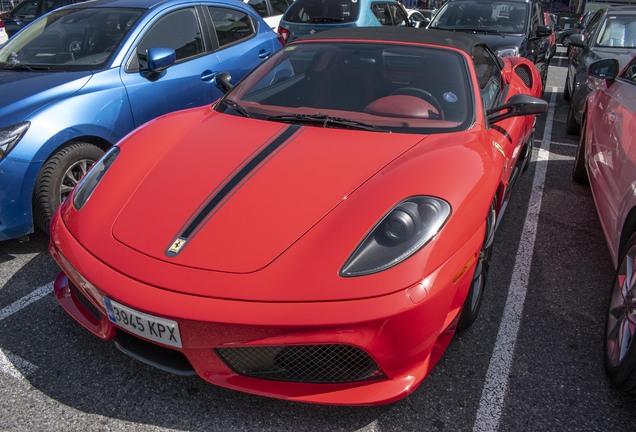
{"points": [[10, 136], [92, 178], [404, 230]]}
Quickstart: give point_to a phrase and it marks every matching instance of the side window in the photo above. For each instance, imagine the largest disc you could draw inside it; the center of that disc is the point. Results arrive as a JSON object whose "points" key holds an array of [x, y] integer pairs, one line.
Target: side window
{"points": [[382, 13], [178, 30], [630, 73], [279, 6], [231, 25], [50, 5], [400, 19], [260, 6], [488, 76], [27, 9], [591, 27]]}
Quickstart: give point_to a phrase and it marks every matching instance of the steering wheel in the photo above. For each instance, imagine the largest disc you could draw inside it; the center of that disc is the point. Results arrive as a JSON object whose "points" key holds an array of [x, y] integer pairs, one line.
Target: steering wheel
{"points": [[422, 94]]}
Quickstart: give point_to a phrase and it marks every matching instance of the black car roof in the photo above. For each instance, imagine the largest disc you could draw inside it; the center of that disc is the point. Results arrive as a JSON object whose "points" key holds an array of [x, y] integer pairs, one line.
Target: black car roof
{"points": [[459, 40]]}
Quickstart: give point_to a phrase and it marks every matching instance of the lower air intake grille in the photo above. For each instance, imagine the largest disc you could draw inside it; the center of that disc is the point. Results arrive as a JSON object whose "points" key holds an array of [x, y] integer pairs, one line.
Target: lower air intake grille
{"points": [[524, 73], [90, 307], [303, 363]]}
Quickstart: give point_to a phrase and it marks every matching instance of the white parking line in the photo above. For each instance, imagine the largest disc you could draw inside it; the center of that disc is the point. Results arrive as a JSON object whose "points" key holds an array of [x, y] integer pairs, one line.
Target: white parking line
{"points": [[493, 395], [26, 300], [12, 364]]}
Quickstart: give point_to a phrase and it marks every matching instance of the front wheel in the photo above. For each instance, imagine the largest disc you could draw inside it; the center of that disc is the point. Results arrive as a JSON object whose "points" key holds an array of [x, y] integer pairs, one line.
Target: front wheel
{"points": [[57, 178], [475, 295], [620, 328]]}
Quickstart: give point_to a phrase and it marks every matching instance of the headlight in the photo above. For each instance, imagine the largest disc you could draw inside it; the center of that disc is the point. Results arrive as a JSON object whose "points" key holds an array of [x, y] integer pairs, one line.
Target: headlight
{"points": [[10, 136], [507, 52], [401, 232], [92, 178]]}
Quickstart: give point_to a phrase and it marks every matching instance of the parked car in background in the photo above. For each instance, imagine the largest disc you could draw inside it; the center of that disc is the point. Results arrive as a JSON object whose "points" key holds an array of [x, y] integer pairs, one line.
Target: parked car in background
{"points": [[77, 80], [28, 10], [270, 10], [306, 17], [417, 19], [372, 164], [611, 33], [509, 27], [606, 158], [550, 20], [563, 35], [3, 33]]}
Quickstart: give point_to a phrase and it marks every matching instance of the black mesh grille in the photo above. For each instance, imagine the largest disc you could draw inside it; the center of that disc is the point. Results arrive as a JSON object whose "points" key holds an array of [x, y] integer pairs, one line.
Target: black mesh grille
{"points": [[303, 363], [524, 73], [85, 302]]}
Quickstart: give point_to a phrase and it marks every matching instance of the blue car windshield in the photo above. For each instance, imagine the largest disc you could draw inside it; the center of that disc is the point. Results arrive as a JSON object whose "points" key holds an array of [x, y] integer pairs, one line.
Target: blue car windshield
{"points": [[69, 40]]}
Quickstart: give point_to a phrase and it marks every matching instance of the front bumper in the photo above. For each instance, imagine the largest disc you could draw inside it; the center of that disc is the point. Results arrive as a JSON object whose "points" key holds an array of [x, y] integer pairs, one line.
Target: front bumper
{"points": [[403, 333], [17, 179]]}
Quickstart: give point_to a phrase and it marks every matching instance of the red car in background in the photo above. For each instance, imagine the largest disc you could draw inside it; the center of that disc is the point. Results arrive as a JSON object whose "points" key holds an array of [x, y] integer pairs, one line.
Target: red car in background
{"points": [[606, 158], [320, 232]]}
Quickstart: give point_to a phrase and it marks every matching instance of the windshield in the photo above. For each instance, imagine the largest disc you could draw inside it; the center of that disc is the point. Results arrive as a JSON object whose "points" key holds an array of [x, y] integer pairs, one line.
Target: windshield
{"points": [[69, 40], [618, 32], [370, 86], [322, 11], [496, 16]]}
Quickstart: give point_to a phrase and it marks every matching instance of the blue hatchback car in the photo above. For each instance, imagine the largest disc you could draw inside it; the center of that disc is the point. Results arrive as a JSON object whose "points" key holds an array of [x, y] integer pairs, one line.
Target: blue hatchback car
{"points": [[75, 81], [311, 16]]}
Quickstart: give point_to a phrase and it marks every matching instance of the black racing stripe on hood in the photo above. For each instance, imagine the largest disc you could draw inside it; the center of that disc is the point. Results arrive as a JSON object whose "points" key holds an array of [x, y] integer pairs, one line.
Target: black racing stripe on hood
{"points": [[191, 228]]}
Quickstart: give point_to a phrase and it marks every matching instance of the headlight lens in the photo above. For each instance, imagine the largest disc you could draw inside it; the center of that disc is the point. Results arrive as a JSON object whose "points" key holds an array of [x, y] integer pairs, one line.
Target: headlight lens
{"points": [[402, 231], [92, 178], [10, 136], [507, 52]]}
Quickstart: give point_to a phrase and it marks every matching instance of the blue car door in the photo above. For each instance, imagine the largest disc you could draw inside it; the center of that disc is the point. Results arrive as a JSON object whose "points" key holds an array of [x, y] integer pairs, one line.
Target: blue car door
{"points": [[186, 84], [243, 42]]}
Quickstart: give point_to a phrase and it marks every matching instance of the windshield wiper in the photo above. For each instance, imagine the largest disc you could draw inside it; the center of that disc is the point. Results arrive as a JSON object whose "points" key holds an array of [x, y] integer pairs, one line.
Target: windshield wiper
{"points": [[326, 120], [236, 107]]}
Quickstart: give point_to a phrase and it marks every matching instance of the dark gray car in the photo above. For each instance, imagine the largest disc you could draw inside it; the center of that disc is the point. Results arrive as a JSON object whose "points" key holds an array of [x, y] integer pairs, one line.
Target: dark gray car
{"points": [[509, 27], [611, 33]]}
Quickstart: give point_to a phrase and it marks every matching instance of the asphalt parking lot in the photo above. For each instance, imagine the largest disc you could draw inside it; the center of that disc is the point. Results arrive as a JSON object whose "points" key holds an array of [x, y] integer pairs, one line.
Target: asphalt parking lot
{"points": [[532, 361]]}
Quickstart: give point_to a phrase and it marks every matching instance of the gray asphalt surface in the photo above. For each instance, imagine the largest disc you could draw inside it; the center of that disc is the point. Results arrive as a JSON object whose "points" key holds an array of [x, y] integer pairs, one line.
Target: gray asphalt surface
{"points": [[55, 376]]}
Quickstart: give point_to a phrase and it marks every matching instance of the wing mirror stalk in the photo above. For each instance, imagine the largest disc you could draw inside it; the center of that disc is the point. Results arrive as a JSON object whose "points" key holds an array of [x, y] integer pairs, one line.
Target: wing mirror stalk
{"points": [[223, 81]]}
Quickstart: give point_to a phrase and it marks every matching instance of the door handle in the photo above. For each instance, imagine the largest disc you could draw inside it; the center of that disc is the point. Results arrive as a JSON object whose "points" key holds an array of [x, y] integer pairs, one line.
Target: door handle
{"points": [[264, 53]]}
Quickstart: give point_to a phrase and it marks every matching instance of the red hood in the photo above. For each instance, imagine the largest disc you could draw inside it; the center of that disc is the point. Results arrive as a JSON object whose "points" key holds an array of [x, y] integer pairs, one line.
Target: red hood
{"points": [[273, 203]]}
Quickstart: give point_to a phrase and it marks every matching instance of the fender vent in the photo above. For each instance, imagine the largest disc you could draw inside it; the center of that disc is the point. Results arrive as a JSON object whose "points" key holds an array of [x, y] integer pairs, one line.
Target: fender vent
{"points": [[303, 363], [523, 72]]}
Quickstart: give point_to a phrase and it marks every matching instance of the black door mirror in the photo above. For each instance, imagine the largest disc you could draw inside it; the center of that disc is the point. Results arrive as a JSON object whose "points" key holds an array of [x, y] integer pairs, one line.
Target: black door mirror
{"points": [[518, 105], [223, 81], [577, 40]]}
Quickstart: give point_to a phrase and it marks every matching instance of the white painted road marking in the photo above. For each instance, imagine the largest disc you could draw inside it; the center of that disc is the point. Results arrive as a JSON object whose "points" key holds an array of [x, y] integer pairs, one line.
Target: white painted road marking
{"points": [[11, 364], [493, 395]]}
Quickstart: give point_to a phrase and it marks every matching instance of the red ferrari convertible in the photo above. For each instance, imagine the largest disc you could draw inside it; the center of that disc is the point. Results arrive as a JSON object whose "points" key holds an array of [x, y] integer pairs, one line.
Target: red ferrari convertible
{"points": [[320, 232], [606, 158]]}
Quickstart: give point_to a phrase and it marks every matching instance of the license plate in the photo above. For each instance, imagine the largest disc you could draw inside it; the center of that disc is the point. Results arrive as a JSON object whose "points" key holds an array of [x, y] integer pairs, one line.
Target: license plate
{"points": [[157, 329]]}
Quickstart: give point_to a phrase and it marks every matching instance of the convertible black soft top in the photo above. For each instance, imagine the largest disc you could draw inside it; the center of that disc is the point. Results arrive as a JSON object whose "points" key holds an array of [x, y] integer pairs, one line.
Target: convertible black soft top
{"points": [[459, 40]]}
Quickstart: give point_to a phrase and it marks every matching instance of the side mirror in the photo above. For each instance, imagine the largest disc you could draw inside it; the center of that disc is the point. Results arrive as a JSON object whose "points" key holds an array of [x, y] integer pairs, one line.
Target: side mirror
{"points": [[602, 73], [577, 40], [543, 31], [160, 59], [518, 105], [223, 81]]}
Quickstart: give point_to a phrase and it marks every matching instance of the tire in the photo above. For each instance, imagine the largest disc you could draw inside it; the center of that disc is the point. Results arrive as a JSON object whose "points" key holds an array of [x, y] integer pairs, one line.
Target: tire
{"points": [[566, 89], [57, 178], [579, 173], [475, 295], [566, 41], [620, 346], [572, 127]]}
